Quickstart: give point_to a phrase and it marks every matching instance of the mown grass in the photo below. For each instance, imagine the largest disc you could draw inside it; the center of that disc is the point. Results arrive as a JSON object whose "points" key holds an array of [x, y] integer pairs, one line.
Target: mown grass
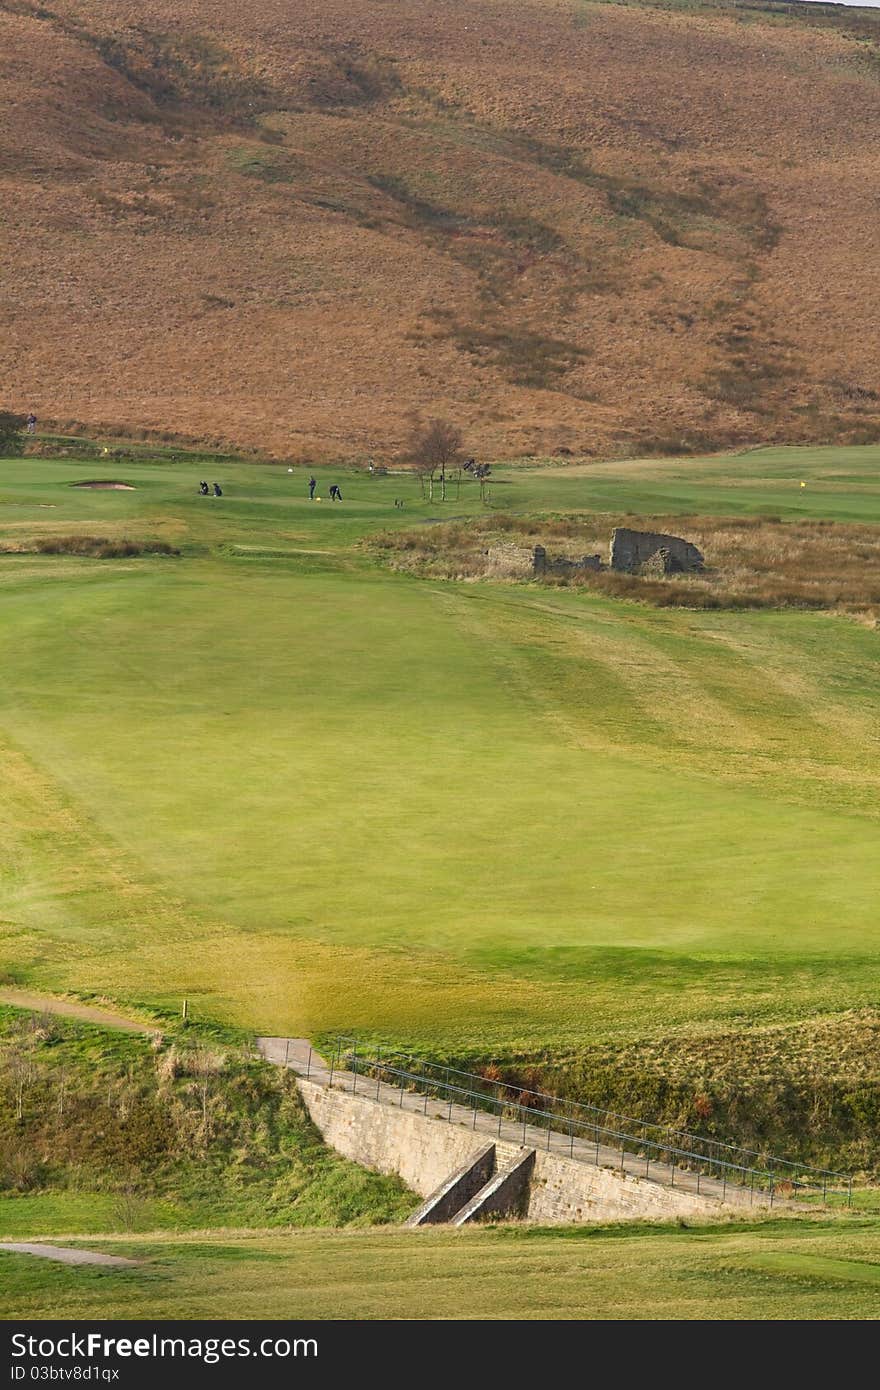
{"points": [[497, 820], [774, 1270]]}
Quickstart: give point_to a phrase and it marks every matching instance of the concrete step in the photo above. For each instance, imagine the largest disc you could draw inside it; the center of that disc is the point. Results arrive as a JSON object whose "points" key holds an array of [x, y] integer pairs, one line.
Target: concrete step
{"points": [[505, 1194], [458, 1189]]}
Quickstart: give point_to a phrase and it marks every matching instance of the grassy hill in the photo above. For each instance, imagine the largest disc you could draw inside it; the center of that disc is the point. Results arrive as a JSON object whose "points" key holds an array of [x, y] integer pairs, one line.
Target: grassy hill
{"points": [[569, 225]]}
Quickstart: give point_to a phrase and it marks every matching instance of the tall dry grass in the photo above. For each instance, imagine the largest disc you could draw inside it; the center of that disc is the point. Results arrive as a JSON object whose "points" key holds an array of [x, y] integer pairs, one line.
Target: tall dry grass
{"points": [[751, 562]]}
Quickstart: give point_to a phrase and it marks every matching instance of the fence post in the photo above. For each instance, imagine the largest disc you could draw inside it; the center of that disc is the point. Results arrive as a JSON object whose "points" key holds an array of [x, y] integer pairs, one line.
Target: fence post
{"points": [[771, 1189], [354, 1067], [698, 1182], [571, 1138], [332, 1061], [849, 1196], [287, 1052], [378, 1070], [524, 1122], [402, 1084], [309, 1065]]}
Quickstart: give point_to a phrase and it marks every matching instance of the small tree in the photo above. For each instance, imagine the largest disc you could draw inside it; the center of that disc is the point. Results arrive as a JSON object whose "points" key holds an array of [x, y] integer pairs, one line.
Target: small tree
{"points": [[11, 431], [434, 448]]}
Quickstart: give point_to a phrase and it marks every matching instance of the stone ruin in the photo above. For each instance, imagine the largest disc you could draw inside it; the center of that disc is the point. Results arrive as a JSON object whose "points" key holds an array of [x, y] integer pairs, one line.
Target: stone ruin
{"points": [[519, 562], [645, 553], [649, 553], [544, 564]]}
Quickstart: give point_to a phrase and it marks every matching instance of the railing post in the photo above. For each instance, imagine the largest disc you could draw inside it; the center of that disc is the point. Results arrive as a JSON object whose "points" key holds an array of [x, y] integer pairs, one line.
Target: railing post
{"points": [[571, 1138], [333, 1061], [402, 1084], [698, 1182], [771, 1189], [723, 1183], [354, 1068], [849, 1196], [522, 1108], [308, 1064], [378, 1072], [287, 1052]]}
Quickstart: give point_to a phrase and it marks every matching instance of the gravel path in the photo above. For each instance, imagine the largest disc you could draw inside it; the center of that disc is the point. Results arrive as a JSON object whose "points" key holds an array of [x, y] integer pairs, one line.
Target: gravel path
{"points": [[63, 1254], [70, 1008]]}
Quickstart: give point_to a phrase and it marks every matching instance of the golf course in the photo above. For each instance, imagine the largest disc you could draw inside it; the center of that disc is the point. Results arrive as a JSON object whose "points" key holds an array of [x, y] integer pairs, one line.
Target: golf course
{"points": [[256, 761], [273, 776]]}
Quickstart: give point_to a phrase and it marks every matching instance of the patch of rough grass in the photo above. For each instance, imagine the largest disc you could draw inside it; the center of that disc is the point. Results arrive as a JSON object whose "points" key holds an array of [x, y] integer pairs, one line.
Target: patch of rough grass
{"points": [[751, 562], [94, 547], [809, 1090]]}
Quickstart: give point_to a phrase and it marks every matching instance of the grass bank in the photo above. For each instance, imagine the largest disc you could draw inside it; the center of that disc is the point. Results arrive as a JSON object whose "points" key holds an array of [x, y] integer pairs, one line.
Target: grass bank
{"points": [[104, 1130]]}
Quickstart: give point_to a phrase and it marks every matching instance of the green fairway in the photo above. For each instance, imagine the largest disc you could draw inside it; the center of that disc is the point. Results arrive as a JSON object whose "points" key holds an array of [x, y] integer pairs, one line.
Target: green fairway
{"points": [[787, 1270], [309, 794]]}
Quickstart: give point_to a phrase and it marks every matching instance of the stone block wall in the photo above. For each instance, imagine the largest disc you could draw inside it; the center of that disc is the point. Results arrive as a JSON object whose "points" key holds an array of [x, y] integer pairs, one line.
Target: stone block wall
{"points": [[632, 549], [424, 1151]]}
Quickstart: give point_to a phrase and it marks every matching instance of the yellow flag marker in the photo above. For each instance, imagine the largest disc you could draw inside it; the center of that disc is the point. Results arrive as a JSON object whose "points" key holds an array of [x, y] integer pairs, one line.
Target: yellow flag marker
{"points": [[803, 485]]}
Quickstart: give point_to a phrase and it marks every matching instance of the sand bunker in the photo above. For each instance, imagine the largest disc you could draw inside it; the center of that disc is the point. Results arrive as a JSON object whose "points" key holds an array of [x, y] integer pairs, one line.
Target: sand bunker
{"points": [[106, 484]]}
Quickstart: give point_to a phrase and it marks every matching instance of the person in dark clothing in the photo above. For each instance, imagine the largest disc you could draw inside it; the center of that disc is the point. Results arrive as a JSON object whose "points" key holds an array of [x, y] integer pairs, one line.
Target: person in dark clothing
{"points": [[218, 491], [32, 423], [335, 494], [312, 485], [203, 488]]}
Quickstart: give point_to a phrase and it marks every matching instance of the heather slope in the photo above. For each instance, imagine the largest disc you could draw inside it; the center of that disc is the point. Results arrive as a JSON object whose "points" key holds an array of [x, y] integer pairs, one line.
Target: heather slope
{"points": [[582, 226]]}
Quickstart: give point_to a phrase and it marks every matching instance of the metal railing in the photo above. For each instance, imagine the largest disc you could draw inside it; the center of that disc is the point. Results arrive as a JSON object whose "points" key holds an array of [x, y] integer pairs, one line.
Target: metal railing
{"points": [[674, 1157]]}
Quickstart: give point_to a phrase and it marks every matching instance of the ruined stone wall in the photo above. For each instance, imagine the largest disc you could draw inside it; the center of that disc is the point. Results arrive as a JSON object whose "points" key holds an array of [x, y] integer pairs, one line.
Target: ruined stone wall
{"points": [[508, 561], [632, 549], [560, 564]]}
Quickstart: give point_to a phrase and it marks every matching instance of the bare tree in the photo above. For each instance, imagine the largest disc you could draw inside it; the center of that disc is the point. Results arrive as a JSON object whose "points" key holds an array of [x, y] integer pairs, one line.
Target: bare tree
{"points": [[434, 448], [20, 1068]]}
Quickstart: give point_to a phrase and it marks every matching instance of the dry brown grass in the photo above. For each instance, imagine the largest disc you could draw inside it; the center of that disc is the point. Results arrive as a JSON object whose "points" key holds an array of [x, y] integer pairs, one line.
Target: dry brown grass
{"points": [[758, 562], [608, 229], [96, 547]]}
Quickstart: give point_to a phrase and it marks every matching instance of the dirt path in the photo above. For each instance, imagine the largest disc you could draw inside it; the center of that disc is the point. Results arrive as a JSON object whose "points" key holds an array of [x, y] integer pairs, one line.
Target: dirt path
{"points": [[63, 1254], [70, 1008]]}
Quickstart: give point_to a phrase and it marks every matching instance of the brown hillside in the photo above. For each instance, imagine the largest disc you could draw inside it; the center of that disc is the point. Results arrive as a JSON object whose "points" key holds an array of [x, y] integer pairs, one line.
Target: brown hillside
{"points": [[564, 224]]}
